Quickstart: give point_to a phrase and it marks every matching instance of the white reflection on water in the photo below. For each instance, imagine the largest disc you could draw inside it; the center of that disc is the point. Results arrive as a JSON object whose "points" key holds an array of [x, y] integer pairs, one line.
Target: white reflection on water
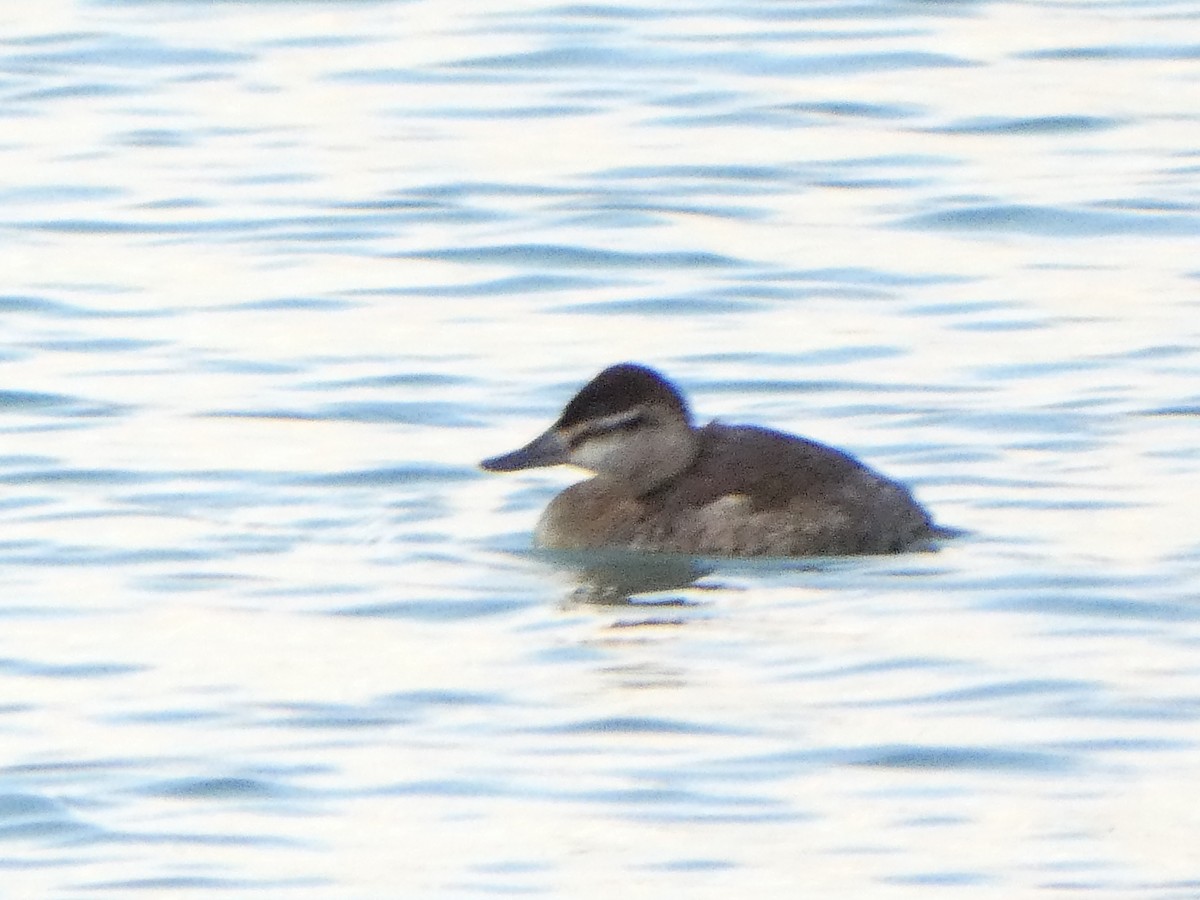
{"points": [[277, 276]]}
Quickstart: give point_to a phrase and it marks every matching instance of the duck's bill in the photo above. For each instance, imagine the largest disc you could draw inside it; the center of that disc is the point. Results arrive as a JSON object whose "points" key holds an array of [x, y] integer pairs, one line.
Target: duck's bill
{"points": [[545, 450]]}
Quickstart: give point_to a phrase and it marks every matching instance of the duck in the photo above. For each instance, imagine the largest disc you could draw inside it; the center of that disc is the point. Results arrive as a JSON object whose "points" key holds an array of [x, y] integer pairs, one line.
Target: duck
{"points": [[660, 483]]}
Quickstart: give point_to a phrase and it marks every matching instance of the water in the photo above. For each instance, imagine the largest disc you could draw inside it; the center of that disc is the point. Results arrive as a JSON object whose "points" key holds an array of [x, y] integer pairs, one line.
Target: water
{"points": [[275, 276]]}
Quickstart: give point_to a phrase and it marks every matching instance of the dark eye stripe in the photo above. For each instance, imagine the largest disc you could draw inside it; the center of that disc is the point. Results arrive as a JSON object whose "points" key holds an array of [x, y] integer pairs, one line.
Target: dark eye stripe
{"points": [[628, 424]]}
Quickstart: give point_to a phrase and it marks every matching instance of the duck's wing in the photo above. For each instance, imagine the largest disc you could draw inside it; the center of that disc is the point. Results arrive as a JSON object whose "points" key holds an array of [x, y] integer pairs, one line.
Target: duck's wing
{"points": [[757, 491], [768, 468]]}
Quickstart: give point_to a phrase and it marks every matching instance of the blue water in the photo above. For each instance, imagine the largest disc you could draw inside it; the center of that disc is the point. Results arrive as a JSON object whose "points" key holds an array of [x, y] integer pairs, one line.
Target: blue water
{"points": [[276, 276]]}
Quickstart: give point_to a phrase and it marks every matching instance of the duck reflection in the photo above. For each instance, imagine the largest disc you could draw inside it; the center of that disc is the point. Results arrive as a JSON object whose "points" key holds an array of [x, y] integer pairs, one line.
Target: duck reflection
{"points": [[615, 576]]}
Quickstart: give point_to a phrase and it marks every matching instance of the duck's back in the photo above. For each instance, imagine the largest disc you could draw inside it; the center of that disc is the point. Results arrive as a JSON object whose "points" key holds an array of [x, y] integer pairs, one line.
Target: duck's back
{"points": [[753, 491], [750, 492]]}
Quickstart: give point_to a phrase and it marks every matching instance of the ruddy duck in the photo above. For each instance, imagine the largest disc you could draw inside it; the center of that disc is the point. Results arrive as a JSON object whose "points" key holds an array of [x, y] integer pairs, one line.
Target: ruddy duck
{"points": [[663, 484]]}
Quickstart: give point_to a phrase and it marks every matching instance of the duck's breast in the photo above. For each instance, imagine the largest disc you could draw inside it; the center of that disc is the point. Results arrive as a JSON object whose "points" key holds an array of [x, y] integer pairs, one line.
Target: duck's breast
{"points": [[591, 514]]}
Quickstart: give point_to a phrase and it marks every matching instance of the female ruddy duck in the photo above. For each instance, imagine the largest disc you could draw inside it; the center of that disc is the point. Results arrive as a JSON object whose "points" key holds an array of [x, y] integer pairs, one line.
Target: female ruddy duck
{"points": [[662, 484]]}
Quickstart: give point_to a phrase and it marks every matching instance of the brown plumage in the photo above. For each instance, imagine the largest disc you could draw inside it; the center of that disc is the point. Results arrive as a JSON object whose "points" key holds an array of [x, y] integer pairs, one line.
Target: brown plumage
{"points": [[662, 484]]}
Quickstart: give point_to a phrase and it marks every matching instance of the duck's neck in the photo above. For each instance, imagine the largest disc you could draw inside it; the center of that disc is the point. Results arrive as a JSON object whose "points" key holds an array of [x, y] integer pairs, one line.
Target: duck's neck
{"points": [[650, 462]]}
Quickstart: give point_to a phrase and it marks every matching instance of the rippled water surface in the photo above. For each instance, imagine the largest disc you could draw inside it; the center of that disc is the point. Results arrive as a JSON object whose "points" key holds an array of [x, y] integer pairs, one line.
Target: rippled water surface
{"points": [[276, 275]]}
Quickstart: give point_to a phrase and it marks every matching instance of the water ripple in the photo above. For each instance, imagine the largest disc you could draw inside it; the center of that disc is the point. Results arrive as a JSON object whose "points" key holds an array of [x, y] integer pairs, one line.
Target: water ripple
{"points": [[56, 404], [1033, 125], [640, 725], [571, 257], [907, 756], [435, 610], [224, 788], [1057, 222], [30, 669], [122, 52], [1151, 52]]}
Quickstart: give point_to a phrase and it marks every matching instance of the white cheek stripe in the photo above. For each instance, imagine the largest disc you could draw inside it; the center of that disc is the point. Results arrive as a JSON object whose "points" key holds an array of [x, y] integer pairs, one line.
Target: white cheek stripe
{"points": [[595, 453]]}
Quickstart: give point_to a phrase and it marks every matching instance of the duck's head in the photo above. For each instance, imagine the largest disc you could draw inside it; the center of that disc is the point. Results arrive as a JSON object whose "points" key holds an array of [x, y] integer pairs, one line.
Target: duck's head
{"points": [[627, 423]]}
